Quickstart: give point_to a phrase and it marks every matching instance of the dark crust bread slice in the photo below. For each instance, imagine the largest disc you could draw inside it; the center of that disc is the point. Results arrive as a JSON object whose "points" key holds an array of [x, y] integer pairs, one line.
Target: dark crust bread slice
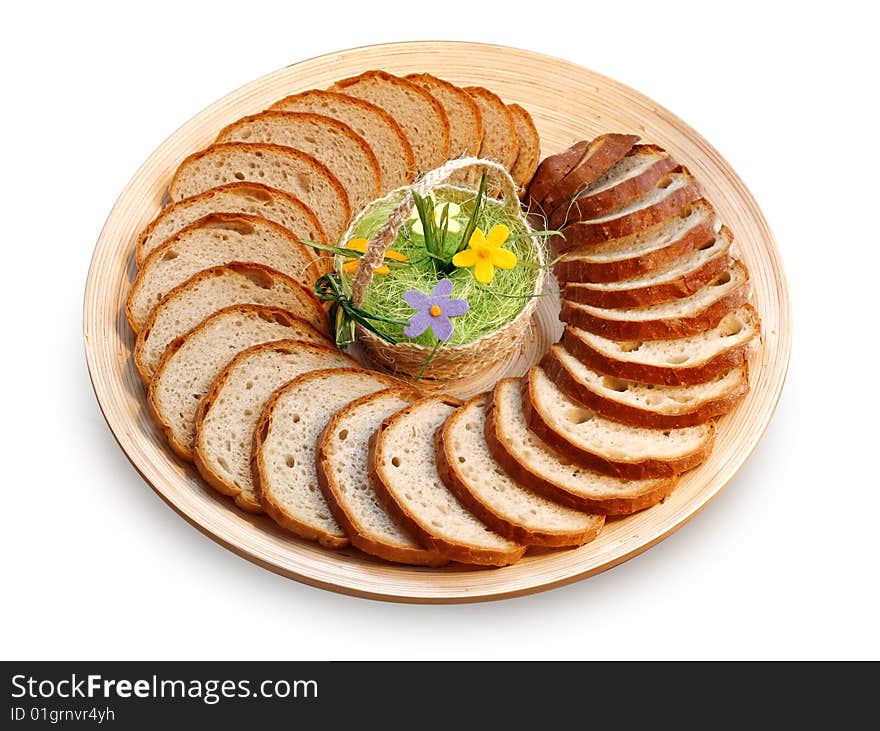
{"points": [[433, 85], [640, 470], [529, 150], [550, 171], [597, 204], [518, 468], [492, 106], [569, 383]]}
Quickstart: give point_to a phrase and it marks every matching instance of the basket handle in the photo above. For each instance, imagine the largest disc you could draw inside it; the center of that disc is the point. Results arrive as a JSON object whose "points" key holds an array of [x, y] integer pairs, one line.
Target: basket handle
{"points": [[383, 238]]}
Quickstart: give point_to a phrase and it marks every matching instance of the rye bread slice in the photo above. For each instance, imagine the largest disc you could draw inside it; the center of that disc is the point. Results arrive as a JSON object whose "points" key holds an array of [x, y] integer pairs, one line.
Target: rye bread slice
{"points": [[641, 404], [676, 319], [499, 142], [470, 472], [529, 146], [465, 118], [533, 463], [611, 447]]}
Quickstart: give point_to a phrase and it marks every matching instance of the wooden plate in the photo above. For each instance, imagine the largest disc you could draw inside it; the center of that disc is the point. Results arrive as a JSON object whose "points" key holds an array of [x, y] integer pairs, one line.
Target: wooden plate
{"points": [[568, 103]]}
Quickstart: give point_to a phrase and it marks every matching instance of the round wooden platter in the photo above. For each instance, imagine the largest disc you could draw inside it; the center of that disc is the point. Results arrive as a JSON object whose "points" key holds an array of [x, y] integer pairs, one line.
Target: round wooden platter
{"points": [[568, 103]]}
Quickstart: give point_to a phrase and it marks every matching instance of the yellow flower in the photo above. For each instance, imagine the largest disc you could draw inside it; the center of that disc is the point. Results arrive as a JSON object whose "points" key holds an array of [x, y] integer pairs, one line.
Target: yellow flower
{"points": [[351, 263], [484, 253], [453, 210]]}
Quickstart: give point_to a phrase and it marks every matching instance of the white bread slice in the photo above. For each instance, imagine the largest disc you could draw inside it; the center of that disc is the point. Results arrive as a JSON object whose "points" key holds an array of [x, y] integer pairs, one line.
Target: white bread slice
{"points": [[465, 118], [250, 198], [469, 471], [232, 406], [632, 176], [700, 311], [608, 446], [682, 278], [528, 146], [678, 361], [192, 362], [673, 194], [375, 125], [418, 113], [344, 152], [642, 253], [499, 142], [284, 448], [404, 469], [341, 459], [643, 404], [533, 463], [211, 290], [215, 240], [280, 167]]}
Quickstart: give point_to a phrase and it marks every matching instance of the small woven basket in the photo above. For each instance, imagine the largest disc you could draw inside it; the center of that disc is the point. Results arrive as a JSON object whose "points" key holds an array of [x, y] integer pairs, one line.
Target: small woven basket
{"points": [[458, 361]]}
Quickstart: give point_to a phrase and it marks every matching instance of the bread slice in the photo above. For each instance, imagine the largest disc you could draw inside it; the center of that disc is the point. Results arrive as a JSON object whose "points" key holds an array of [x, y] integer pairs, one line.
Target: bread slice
{"points": [[232, 406], [342, 150], [469, 471], [341, 459], [608, 446], [253, 199], [280, 167], [528, 146], [192, 362], [642, 404], [634, 175], [211, 290], [404, 469], [597, 158], [534, 463], [550, 171], [642, 253], [418, 113], [677, 319], [678, 361], [499, 142], [375, 125], [681, 278], [284, 448], [211, 241], [463, 113], [672, 195]]}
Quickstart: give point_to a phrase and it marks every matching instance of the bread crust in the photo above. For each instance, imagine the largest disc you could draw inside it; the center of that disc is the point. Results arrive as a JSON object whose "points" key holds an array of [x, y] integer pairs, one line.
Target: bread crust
{"points": [[659, 329], [529, 150], [550, 171], [585, 207], [512, 531], [385, 492], [429, 82], [518, 469], [700, 413]]}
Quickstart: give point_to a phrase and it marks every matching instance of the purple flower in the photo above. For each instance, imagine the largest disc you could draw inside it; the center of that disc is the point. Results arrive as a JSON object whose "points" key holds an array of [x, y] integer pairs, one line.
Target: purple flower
{"points": [[434, 311]]}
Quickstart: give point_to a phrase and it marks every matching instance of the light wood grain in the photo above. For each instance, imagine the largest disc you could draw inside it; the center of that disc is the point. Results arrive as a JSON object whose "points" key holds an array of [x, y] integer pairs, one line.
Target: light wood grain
{"points": [[568, 103]]}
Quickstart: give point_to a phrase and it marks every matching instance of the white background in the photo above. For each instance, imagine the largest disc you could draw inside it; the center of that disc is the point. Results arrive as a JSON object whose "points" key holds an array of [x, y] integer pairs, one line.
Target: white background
{"points": [[783, 564]]}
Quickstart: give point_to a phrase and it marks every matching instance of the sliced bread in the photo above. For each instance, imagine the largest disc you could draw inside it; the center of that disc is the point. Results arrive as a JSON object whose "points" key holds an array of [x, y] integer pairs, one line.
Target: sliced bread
{"points": [[534, 463], [682, 278], [678, 361], [343, 449], [632, 176], [677, 319], [672, 195], [465, 118], [192, 362], [644, 404], [284, 448], [250, 198], [642, 253], [499, 142], [211, 290], [528, 146], [418, 113], [211, 241], [470, 472], [280, 167], [232, 406], [404, 469], [550, 171], [342, 150], [609, 446]]}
